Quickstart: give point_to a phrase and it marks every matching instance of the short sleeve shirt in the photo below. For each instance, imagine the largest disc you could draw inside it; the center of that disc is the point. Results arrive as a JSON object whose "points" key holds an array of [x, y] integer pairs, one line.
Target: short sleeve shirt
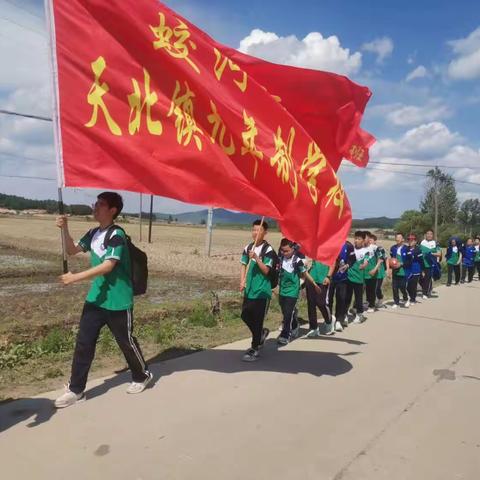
{"points": [[290, 272], [114, 290], [257, 285]]}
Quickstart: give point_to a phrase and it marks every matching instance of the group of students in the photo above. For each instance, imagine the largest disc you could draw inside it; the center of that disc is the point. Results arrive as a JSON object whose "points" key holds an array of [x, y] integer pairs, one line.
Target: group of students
{"points": [[359, 270]]}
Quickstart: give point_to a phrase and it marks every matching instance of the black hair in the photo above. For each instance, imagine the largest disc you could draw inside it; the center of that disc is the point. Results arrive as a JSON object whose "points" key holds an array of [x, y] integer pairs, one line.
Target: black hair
{"points": [[429, 230], [264, 224], [368, 233], [286, 242], [373, 237], [399, 233], [114, 200], [360, 234]]}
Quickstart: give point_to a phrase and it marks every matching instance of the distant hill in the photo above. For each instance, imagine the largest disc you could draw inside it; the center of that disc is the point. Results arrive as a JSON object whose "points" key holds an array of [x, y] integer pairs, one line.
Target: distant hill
{"points": [[375, 222], [220, 216]]}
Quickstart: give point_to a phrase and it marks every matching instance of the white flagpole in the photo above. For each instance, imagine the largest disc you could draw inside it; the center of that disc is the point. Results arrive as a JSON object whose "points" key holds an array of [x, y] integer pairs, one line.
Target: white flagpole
{"points": [[49, 16]]}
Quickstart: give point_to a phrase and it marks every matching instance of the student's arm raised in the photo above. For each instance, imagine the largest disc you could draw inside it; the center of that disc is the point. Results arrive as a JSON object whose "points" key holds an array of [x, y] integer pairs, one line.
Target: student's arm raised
{"points": [[70, 246]]}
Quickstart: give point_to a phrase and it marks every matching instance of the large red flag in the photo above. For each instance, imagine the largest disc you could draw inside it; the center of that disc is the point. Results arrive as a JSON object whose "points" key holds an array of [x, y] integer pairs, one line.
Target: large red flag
{"points": [[148, 103]]}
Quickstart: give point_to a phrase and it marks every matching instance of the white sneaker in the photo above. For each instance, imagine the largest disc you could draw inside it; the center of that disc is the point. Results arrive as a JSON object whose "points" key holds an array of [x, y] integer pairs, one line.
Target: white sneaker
{"points": [[330, 328], [139, 387], [359, 319], [69, 398], [313, 333], [338, 327], [370, 310], [424, 297], [394, 305], [407, 304]]}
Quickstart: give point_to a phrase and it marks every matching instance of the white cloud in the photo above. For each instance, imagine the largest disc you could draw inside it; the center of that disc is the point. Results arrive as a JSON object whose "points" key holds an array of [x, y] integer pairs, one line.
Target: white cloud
{"points": [[467, 64], [401, 115], [313, 51], [382, 47], [419, 72], [429, 144]]}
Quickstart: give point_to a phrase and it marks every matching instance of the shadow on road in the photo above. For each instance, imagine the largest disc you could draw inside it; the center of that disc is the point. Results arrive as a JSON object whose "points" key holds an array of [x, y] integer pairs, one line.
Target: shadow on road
{"points": [[272, 359]]}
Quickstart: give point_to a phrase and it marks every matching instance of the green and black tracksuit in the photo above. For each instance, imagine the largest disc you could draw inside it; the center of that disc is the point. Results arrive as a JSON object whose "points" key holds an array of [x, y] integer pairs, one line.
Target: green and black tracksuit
{"points": [[289, 291], [318, 271], [258, 291], [109, 302]]}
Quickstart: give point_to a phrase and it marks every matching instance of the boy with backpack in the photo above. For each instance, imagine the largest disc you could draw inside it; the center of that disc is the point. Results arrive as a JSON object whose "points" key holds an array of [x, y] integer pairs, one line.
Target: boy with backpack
{"points": [[356, 275], [413, 268], [339, 285], [375, 261], [109, 300], [291, 269], [454, 259], [468, 261], [259, 262], [398, 252], [431, 253]]}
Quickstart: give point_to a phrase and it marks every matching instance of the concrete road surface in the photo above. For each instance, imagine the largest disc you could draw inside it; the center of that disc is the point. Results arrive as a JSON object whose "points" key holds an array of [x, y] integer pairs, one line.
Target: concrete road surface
{"points": [[395, 398]]}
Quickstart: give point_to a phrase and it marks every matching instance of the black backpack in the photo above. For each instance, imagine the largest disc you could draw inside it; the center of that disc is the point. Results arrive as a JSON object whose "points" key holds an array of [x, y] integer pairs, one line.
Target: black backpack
{"points": [[274, 271], [138, 260]]}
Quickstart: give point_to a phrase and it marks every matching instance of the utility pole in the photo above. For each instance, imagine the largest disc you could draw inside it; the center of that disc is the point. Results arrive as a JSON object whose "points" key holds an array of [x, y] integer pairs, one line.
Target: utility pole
{"points": [[435, 182], [208, 246], [151, 220], [140, 217]]}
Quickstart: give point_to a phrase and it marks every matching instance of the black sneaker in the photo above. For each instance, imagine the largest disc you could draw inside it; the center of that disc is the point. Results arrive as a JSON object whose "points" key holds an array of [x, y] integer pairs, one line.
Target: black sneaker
{"points": [[251, 355], [265, 333]]}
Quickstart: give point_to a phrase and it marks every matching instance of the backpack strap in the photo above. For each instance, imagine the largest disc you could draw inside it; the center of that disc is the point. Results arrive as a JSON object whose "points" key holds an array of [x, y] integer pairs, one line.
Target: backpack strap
{"points": [[108, 235]]}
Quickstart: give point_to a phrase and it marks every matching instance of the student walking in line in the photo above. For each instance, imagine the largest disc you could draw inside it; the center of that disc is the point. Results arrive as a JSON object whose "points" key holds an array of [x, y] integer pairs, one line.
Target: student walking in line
{"points": [[454, 258], [399, 284], [292, 269], [431, 253], [477, 256], [413, 268], [317, 297], [381, 272], [109, 300], [371, 272], [339, 286], [468, 261], [257, 260], [356, 276]]}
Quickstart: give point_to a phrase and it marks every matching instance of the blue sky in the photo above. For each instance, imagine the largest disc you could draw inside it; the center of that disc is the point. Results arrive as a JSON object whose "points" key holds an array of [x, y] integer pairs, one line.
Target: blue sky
{"points": [[421, 59]]}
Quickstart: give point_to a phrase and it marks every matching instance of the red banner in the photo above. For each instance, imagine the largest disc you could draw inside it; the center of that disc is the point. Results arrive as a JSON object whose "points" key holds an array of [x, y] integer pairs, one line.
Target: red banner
{"points": [[149, 103]]}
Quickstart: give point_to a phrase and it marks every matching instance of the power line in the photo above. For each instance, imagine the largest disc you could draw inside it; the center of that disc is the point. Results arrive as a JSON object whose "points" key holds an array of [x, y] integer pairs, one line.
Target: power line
{"points": [[28, 177], [24, 9], [22, 157], [34, 30], [25, 115], [422, 165], [411, 174]]}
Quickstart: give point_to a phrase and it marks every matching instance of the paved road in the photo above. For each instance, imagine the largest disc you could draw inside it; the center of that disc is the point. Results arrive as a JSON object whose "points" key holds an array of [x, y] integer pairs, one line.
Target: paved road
{"points": [[395, 398]]}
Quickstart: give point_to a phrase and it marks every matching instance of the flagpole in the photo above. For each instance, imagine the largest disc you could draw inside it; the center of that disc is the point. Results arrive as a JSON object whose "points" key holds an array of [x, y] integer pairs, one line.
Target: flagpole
{"points": [[49, 17], [209, 231], [140, 217], [151, 220]]}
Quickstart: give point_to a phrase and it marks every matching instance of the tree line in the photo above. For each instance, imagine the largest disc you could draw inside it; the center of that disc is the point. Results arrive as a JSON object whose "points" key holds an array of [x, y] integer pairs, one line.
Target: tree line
{"points": [[454, 218]]}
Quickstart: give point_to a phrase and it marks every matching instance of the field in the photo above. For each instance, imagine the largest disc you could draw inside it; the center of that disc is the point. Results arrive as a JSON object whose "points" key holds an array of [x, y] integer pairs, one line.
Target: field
{"points": [[39, 316]]}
